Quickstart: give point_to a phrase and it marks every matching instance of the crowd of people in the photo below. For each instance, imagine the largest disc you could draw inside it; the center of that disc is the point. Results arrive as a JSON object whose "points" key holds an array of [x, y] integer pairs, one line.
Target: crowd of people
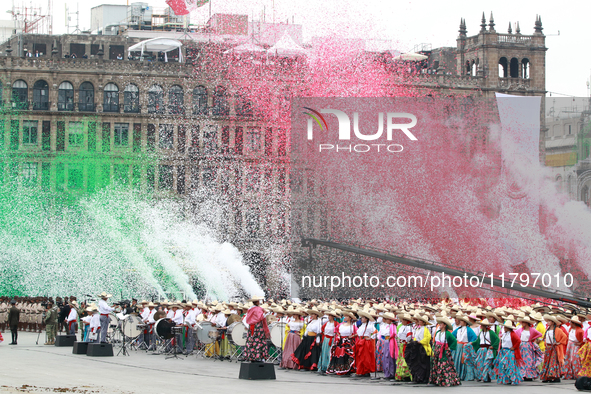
{"points": [[441, 343]]}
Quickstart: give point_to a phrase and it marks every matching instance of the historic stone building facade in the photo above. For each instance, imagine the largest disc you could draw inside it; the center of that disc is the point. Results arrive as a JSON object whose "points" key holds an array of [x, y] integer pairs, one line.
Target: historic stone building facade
{"points": [[119, 112]]}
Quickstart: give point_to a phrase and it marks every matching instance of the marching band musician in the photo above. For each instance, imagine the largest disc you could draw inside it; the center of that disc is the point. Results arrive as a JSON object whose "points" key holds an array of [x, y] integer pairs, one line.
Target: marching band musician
{"points": [[190, 324], [178, 320], [150, 322], [95, 325], [72, 319], [104, 311]]}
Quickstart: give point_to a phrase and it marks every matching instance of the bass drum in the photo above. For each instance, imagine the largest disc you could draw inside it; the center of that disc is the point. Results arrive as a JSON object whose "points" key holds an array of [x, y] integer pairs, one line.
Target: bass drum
{"points": [[130, 326], [203, 332], [113, 323], [277, 331], [163, 329], [237, 333]]}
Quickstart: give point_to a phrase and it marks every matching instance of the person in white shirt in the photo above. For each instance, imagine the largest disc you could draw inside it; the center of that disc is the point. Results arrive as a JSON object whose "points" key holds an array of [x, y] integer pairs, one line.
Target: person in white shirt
{"points": [[405, 331], [104, 310], [95, 326], [190, 325], [86, 323], [72, 319], [307, 353], [365, 358]]}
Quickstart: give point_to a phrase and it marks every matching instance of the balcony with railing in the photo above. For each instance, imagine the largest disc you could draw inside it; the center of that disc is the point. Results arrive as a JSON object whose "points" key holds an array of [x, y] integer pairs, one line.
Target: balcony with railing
{"points": [[111, 107], [41, 105], [86, 107]]}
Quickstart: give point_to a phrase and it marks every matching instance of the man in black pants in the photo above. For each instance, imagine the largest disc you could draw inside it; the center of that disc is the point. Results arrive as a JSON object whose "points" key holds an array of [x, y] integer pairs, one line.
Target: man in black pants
{"points": [[13, 317]]}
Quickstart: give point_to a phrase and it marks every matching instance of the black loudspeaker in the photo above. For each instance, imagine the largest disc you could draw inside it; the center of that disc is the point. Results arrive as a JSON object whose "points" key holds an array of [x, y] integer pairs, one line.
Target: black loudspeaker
{"points": [[65, 340], [257, 371], [583, 383], [100, 350], [80, 348]]}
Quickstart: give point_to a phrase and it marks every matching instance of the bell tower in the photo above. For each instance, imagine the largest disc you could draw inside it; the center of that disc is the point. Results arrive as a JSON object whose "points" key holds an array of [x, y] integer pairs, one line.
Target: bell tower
{"points": [[510, 62]]}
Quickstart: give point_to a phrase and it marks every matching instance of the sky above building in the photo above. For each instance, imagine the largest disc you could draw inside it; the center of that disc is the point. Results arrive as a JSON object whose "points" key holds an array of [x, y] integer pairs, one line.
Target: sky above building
{"points": [[404, 24]]}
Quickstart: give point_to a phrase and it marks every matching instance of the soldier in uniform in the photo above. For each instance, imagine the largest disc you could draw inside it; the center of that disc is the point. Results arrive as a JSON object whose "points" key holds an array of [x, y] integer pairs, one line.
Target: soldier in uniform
{"points": [[51, 322], [13, 321]]}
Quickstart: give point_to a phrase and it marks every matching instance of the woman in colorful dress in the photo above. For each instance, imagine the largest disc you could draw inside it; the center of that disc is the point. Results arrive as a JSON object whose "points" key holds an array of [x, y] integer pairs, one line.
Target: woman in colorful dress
{"points": [[307, 354], [488, 345], [294, 327], [509, 358], [464, 356], [555, 340], [388, 345], [342, 352], [530, 351], [443, 372], [328, 332], [258, 332], [585, 353], [418, 351], [365, 351], [404, 337], [572, 361]]}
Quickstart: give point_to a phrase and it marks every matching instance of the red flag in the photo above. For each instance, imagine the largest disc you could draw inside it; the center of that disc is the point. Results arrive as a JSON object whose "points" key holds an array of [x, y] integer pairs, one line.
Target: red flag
{"points": [[183, 7]]}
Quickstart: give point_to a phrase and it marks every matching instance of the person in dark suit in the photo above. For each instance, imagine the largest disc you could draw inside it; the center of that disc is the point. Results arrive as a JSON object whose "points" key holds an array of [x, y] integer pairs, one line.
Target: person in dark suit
{"points": [[13, 318]]}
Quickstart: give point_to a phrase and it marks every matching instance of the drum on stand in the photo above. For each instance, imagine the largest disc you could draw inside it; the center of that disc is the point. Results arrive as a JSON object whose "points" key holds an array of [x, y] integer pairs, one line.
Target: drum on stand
{"points": [[163, 329], [203, 333], [113, 323], [277, 331], [237, 333], [133, 326]]}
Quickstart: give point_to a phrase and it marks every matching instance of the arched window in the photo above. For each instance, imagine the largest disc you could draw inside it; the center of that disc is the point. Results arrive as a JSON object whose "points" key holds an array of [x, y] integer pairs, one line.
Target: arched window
{"points": [[243, 105], [467, 67], [86, 97], [111, 98], [200, 101], [131, 99], [155, 100], [514, 68], [65, 97], [474, 67], [41, 96], [585, 195], [176, 100], [525, 68], [20, 95], [503, 67], [220, 102]]}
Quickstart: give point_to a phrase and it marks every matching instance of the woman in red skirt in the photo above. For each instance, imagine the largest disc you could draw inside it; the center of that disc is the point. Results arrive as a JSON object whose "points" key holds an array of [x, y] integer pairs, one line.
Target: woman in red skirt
{"points": [[342, 352], [365, 350]]}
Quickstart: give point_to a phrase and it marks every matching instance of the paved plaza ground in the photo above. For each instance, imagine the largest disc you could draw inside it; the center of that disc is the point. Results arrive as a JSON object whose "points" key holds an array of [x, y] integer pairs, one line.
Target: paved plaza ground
{"points": [[35, 368]]}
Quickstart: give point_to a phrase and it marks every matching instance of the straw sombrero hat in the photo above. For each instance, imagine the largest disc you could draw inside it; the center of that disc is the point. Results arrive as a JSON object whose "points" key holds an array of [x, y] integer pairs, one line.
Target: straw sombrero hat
{"points": [[552, 319], [509, 325], [366, 314], [423, 318], [256, 298], [105, 295], [389, 315], [445, 321]]}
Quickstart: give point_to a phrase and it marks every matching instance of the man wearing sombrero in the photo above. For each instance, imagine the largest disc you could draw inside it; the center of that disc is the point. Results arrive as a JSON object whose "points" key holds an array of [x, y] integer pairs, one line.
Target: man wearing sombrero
{"points": [[104, 311]]}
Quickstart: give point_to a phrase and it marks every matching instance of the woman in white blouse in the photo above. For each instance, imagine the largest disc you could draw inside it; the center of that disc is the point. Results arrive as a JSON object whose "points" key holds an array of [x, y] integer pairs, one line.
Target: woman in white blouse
{"points": [[342, 352]]}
